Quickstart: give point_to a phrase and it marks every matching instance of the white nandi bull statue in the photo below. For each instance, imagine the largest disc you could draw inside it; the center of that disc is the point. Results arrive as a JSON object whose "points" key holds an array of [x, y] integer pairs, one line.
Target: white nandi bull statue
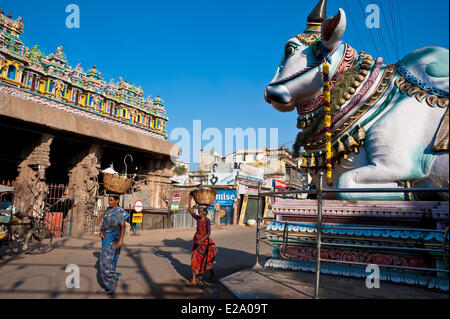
{"points": [[389, 123]]}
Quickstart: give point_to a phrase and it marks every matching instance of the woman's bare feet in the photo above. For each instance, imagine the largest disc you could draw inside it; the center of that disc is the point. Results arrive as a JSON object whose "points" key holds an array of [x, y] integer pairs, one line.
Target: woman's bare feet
{"points": [[193, 282]]}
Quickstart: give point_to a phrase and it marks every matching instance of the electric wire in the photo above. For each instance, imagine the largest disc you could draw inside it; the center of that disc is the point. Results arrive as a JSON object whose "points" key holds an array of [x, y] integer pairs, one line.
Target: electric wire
{"points": [[388, 55], [394, 23], [391, 38], [401, 28], [370, 33], [361, 42], [381, 39]]}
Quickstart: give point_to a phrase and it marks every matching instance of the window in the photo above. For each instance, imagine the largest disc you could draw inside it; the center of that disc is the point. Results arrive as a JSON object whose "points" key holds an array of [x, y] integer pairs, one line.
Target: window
{"points": [[50, 86], [30, 80], [12, 72]]}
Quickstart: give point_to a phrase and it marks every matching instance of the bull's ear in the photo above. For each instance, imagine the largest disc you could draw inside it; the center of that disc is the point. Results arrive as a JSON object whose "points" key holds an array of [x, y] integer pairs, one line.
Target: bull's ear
{"points": [[333, 29]]}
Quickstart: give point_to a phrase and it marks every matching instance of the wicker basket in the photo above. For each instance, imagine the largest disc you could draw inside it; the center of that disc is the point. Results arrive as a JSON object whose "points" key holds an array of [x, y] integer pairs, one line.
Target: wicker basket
{"points": [[204, 196], [116, 184]]}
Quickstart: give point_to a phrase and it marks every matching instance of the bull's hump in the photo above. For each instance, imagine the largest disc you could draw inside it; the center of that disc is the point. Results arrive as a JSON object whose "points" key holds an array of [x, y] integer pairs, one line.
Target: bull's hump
{"points": [[431, 65]]}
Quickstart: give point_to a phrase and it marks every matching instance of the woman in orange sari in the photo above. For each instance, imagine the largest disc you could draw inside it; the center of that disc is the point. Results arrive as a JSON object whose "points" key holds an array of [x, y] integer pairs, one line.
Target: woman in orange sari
{"points": [[204, 250]]}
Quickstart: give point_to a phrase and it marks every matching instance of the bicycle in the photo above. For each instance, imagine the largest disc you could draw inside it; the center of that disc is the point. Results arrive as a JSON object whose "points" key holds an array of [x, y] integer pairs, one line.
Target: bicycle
{"points": [[36, 239]]}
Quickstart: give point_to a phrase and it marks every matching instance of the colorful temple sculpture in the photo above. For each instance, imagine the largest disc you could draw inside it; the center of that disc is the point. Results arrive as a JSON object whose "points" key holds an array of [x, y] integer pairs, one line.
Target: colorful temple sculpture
{"points": [[51, 77], [366, 125]]}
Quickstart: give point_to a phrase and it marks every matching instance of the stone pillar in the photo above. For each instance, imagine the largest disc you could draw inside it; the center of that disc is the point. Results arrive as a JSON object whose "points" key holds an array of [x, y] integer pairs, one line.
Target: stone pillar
{"points": [[30, 188], [83, 187], [217, 214], [236, 210]]}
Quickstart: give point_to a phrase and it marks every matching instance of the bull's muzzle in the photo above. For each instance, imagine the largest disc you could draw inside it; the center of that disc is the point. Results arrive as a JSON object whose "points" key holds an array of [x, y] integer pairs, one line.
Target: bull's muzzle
{"points": [[278, 94]]}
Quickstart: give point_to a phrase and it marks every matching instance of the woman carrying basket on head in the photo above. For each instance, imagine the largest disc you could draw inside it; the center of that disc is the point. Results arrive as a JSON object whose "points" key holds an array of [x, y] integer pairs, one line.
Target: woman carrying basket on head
{"points": [[111, 233], [204, 250]]}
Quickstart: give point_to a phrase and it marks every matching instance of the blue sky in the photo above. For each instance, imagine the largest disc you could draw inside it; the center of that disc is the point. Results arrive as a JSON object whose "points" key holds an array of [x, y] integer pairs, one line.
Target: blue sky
{"points": [[211, 60]]}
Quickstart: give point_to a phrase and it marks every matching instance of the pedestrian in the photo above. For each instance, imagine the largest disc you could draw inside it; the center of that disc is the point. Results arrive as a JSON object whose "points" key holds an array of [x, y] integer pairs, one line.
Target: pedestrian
{"points": [[112, 234], [204, 249]]}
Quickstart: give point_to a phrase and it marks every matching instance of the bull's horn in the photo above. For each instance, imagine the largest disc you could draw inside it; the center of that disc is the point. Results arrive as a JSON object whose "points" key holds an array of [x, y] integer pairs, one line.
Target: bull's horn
{"points": [[333, 29], [316, 17]]}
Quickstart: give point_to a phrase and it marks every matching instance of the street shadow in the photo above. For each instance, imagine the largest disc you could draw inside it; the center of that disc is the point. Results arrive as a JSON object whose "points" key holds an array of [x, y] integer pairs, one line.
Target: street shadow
{"points": [[155, 289], [227, 260], [182, 269], [97, 268]]}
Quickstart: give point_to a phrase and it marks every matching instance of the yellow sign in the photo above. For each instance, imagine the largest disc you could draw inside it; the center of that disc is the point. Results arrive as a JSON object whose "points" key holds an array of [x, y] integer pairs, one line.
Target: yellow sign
{"points": [[243, 209], [266, 208], [137, 218]]}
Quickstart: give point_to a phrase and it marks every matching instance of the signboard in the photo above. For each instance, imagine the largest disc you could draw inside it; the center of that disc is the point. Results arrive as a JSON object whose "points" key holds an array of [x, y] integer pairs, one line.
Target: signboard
{"points": [[225, 197], [249, 178], [137, 218], [176, 199], [243, 210], [244, 189], [251, 172], [174, 206], [181, 179], [266, 208], [220, 179], [138, 206], [225, 168], [279, 184]]}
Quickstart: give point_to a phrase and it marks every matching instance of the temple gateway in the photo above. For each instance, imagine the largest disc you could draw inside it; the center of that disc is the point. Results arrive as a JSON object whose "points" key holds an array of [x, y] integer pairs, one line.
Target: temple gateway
{"points": [[61, 126]]}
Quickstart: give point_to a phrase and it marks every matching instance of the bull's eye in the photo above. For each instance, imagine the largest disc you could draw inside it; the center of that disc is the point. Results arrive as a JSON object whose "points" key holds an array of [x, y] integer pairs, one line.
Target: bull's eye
{"points": [[289, 50]]}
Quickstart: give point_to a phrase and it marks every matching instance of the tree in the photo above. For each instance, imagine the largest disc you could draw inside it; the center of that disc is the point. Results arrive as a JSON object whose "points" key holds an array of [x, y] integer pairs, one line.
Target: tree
{"points": [[180, 170]]}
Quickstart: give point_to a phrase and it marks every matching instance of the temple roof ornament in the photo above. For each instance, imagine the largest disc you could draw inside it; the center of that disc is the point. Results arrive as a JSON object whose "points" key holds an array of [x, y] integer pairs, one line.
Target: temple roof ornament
{"points": [[95, 74], [14, 28], [35, 54], [58, 58]]}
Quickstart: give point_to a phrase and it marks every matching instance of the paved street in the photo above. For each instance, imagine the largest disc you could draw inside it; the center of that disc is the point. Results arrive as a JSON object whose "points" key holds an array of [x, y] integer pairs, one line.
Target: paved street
{"points": [[155, 264]]}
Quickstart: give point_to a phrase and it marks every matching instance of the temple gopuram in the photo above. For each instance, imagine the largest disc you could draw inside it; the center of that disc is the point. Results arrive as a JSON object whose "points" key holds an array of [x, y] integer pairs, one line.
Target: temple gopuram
{"points": [[52, 77], [61, 127]]}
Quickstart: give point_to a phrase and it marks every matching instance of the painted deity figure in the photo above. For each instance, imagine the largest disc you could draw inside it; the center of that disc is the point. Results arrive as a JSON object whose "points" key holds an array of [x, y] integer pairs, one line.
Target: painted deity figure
{"points": [[382, 126]]}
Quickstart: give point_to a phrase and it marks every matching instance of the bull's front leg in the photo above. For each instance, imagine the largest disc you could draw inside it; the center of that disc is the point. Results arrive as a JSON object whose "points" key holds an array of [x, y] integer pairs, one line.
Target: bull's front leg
{"points": [[371, 176]]}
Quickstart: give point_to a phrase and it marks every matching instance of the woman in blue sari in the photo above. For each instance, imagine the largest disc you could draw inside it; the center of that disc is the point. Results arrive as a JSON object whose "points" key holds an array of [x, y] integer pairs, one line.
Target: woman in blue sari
{"points": [[111, 233]]}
